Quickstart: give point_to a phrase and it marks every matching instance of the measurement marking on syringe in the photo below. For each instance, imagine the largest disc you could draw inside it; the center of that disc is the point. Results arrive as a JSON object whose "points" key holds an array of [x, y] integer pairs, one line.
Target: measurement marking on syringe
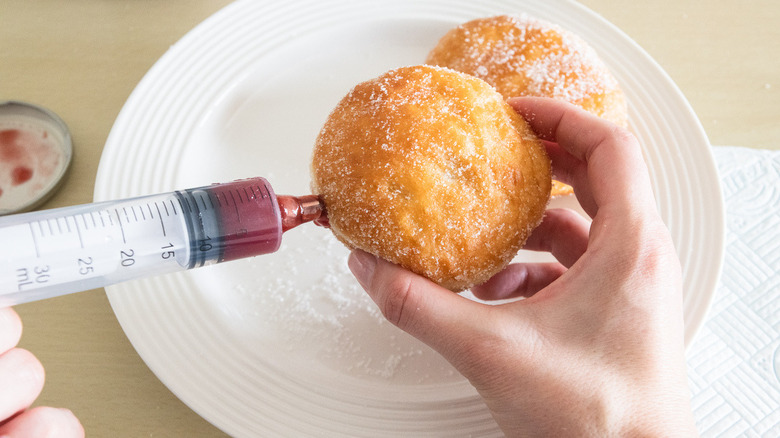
{"points": [[202, 202], [235, 205], [135, 215], [143, 216], [151, 214], [78, 231], [181, 204], [121, 228], [35, 241], [159, 214]]}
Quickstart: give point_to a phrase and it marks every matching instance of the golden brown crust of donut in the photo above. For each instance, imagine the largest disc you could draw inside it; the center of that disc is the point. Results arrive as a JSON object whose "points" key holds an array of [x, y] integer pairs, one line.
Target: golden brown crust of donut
{"points": [[523, 56], [431, 169]]}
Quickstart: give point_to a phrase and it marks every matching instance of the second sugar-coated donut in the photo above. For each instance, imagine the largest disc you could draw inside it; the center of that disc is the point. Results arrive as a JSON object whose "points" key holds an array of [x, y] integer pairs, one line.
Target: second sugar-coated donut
{"points": [[525, 56], [431, 169]]}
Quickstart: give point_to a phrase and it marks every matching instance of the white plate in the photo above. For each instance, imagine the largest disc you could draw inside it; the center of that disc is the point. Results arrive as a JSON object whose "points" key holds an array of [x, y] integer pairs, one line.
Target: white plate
{"points": [[287, 344]]}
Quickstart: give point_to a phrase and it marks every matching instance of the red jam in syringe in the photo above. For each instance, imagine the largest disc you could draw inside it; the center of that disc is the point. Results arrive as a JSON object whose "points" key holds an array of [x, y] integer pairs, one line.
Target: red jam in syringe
{"points": [[72, 249], [241, 219]]}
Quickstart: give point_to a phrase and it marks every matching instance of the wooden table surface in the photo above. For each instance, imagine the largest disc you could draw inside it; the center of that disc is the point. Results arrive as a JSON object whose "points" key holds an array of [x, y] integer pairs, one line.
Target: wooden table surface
{"points": [[82, 59]]}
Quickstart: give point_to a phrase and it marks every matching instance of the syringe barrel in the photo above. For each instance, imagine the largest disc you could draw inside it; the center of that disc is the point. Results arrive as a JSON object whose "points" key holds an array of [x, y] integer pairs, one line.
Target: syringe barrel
{"points": [[70, 249], [231, 221]]}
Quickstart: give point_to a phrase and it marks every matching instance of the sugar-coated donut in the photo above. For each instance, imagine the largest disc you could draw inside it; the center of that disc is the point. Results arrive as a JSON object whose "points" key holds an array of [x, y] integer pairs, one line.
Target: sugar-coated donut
{"points": [[524, 56], [431, 169]]}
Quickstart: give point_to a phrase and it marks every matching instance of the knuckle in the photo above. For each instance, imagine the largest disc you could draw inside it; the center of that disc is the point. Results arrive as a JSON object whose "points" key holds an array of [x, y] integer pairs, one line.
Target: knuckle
{"points": [[650, 253], [660, 256], [397, 305], [622, 135]]}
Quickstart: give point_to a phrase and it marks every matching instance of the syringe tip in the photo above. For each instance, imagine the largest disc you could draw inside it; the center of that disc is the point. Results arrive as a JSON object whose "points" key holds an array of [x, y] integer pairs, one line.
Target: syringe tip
{"points": [[322, 221], [298, 210]]}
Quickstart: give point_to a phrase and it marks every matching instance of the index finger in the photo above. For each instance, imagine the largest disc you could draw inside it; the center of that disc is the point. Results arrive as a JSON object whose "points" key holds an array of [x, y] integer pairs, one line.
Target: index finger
{"points": [[614, 169], [10, 329]]}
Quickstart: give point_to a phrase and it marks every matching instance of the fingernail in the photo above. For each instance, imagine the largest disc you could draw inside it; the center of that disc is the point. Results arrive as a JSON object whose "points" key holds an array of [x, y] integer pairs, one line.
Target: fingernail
{"points": [[362, 265]]}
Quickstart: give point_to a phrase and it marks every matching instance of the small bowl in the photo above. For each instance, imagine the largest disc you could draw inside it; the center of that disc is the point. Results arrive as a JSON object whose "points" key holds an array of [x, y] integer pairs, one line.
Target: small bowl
{"points": [[35, 153]]}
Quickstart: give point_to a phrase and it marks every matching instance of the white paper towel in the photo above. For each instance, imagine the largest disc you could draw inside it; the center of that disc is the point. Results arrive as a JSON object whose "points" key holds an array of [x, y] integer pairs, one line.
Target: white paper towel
{"points": [[734, 361]]}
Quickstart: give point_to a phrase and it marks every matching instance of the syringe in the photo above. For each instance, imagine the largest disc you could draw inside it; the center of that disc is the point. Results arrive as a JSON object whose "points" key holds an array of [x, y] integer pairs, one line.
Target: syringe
{"points": [[72, 249]]}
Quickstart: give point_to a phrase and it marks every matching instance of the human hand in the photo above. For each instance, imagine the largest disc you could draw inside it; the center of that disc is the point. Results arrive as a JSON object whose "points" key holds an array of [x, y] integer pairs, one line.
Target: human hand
{"points": [[21, 381], [596, 347]]}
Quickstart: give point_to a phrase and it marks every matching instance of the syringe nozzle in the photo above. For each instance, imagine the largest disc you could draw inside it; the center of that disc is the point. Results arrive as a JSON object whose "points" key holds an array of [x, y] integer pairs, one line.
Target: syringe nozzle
{"points": [[298, 210]]}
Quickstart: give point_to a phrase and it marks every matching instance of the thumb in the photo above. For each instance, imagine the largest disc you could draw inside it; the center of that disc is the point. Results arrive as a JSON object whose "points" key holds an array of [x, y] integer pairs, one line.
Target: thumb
{"points": [[418, 306]]}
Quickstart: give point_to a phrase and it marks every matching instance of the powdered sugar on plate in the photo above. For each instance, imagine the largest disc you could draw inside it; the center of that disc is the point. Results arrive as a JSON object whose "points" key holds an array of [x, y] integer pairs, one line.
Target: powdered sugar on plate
{"points": [[303, 303]]}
